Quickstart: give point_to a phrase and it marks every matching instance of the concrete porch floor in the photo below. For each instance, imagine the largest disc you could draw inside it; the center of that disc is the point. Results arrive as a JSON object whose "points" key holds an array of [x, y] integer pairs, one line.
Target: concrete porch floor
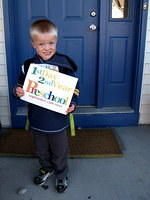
{"points": [[125, 178]]}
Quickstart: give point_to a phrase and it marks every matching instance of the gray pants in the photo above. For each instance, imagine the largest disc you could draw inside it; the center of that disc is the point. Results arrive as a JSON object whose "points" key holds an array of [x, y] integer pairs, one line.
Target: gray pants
{"points": [[52, 151]]}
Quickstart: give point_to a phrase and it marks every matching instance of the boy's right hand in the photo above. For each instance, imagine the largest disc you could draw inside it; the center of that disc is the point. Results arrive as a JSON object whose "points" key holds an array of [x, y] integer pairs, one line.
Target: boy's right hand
{"points": [[19, 91]]}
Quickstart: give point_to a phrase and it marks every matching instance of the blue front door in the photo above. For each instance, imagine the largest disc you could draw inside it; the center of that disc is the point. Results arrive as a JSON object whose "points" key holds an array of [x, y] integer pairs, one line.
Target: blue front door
{"points": [[75, 38], [99, 35], [118, 50]]}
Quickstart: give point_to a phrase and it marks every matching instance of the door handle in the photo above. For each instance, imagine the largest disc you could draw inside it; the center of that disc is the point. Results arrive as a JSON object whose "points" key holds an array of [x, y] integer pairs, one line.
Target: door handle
{"points": [[93, 27], [93, 14]]}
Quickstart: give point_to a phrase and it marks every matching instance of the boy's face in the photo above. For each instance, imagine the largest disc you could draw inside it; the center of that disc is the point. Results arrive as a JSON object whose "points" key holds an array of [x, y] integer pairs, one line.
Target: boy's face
{"points": [[45, 45]]}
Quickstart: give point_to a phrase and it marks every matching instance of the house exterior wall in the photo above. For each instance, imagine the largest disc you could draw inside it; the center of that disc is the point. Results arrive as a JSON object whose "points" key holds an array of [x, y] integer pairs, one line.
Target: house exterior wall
{"points": [[145, 93], [4, 94]]}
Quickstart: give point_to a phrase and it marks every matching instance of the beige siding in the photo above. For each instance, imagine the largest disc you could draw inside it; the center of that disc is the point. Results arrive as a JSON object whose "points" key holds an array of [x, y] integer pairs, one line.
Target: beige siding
{"points": [[145, 94], [4, 99]]}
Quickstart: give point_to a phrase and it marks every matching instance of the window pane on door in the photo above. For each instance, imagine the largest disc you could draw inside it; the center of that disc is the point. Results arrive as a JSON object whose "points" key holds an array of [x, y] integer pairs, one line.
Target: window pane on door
{"points": [[120, 9]]}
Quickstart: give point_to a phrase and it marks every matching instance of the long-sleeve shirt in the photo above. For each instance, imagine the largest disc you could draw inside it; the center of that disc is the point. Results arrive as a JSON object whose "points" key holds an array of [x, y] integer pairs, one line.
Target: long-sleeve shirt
{"points": [[41, 119]]}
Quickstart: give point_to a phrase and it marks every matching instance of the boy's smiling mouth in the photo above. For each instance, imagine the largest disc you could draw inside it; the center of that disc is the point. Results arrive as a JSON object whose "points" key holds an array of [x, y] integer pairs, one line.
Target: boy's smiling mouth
{"points": [[48, 54]]}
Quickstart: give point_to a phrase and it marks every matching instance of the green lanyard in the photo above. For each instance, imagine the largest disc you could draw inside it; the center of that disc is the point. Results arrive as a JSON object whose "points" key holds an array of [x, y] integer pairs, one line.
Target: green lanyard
{"points": [[72, 124]]}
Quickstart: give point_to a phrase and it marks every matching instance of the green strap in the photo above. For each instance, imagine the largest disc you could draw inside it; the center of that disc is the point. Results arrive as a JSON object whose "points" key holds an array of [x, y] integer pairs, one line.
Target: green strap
{"points": [[72, 125], [27, 124]]}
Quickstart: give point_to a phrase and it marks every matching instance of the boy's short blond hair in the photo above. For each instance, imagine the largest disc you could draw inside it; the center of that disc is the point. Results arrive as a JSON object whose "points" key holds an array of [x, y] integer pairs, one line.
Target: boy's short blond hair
{"points": [[43, 26]]}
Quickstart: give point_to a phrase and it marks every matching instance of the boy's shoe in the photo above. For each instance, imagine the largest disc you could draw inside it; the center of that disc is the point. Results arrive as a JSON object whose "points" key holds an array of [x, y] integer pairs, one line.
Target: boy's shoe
{"points": [[61, 184], [43, 176]]}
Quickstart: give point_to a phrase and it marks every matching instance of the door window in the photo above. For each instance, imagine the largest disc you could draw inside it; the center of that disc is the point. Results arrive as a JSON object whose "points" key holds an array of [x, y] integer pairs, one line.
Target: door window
{"points": [[119, 9]]}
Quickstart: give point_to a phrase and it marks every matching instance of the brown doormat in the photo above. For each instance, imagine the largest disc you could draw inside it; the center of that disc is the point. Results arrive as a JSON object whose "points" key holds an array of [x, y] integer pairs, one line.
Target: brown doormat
{"points": [[88, 143]]}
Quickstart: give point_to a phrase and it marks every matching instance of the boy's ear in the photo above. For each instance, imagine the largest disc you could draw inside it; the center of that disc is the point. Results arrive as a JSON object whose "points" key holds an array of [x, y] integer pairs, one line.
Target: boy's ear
{"points": [[32, 43]]}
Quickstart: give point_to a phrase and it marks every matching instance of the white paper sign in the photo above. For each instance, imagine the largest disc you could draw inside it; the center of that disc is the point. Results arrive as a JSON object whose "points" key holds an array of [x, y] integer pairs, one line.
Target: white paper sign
{"points": [[48, 88]]}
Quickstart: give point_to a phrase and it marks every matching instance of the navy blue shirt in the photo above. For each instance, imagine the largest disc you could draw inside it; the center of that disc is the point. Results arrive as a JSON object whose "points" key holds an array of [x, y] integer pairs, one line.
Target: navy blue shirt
{"points": [[41, 119]]}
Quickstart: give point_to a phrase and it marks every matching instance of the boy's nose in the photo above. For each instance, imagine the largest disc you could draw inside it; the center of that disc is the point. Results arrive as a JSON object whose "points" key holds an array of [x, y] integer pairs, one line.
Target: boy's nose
{"points": [[47, 46]]}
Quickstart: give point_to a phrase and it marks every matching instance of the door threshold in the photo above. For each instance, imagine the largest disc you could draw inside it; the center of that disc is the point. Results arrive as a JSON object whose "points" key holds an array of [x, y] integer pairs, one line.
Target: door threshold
{"points": [[105, 110], [86, 110]]}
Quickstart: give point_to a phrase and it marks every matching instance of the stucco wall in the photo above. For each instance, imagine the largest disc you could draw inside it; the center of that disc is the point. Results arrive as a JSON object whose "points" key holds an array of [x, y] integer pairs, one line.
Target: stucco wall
{"points": [[4, 98]]}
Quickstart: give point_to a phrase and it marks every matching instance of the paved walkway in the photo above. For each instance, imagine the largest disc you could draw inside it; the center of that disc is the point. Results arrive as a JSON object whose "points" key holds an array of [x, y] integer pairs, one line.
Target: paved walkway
{"points": [[126, 178]]}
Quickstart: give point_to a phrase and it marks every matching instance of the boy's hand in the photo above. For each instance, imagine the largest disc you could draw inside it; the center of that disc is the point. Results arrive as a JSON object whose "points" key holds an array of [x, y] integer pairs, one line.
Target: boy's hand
{"points": [[19, 91], [71, 108]]}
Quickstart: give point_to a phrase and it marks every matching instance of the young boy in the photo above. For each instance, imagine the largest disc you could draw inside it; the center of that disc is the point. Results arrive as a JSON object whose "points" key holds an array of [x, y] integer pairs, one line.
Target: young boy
{"points": [[48, 127]]}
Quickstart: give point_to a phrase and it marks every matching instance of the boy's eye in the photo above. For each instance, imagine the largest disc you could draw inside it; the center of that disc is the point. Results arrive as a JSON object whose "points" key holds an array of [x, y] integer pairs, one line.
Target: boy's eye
{"points": [[41, 44], [51, 43]]}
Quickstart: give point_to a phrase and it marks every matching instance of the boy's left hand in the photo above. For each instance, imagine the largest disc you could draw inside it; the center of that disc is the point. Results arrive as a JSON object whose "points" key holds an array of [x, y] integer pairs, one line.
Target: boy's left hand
{"points": [[71, 108]]}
